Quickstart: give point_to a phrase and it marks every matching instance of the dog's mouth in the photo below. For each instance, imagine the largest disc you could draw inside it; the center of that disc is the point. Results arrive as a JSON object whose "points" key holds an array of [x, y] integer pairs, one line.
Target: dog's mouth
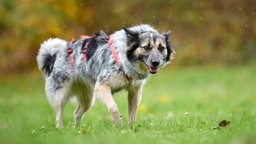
{"points": [[152, 70]]}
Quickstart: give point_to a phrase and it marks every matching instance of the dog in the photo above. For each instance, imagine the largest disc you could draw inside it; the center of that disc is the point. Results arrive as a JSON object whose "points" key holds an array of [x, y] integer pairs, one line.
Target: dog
{"points": [[99, 66]]}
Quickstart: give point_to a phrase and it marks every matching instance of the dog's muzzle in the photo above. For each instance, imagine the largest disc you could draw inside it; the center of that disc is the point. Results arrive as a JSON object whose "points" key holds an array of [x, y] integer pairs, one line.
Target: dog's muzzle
{"points": [[152, 66]]}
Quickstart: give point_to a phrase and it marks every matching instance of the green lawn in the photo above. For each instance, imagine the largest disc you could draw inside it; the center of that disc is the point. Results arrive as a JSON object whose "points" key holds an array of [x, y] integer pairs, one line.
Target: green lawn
{"points": [[179, 105]]}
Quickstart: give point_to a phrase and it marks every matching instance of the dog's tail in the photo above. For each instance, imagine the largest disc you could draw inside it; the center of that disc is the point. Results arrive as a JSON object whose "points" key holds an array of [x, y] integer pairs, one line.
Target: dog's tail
{"points": [[47, 54]]}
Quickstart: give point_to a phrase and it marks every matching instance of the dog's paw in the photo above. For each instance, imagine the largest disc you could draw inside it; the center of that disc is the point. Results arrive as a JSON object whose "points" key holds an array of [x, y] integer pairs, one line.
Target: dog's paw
{"points": [[59, 125], [132, 125], [116, 118]]}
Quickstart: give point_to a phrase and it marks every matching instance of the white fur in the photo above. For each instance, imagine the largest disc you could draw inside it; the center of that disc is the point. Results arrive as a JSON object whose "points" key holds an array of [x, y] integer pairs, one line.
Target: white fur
{"points": [[52, 46]]}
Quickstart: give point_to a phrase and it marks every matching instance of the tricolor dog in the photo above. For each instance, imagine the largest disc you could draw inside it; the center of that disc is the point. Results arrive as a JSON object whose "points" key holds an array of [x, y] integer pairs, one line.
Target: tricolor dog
{"points": [[100, 65]]}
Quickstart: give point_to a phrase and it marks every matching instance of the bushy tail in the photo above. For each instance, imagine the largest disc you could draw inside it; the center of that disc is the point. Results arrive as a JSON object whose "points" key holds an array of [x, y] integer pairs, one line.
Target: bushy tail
{"points": [[47, 54]]}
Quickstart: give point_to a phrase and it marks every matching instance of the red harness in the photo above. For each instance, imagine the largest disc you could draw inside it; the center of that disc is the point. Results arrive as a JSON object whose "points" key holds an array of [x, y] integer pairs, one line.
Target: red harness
{"points": [[113, 50], [70, 51], [111, 45]]}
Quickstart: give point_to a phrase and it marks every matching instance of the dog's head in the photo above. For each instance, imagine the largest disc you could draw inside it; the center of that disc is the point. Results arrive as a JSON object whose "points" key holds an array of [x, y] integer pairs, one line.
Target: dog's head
{"points": [[150, 49]]}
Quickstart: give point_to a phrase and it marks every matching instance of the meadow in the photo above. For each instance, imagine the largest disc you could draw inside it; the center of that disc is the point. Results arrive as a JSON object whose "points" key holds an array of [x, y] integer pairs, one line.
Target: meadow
{"points": [[179, 105]]}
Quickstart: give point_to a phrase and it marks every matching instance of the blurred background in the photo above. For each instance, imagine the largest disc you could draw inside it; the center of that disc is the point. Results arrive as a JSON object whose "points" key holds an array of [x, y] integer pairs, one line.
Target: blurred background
{"points": [[204, 32]]}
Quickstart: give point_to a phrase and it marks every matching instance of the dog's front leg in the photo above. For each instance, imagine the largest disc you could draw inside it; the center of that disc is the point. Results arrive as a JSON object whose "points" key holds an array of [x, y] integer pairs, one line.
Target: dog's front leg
{"points": [[134, 98], [103, 91]]}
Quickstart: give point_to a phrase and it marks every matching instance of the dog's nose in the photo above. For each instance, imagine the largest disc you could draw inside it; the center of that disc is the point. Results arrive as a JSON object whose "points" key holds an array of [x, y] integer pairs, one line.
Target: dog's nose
{"points": [[155, 63]]}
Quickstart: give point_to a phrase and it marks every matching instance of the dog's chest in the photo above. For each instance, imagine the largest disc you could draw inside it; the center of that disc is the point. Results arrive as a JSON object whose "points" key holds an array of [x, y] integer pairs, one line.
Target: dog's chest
{"points": [[117, 81]]}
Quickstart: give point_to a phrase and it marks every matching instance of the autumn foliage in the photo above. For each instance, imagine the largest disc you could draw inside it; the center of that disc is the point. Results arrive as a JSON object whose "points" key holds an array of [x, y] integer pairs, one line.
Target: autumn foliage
{"points": [[203, 32]]}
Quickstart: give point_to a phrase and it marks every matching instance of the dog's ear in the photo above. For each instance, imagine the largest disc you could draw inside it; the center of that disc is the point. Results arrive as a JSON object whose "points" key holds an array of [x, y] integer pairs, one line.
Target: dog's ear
{"points": [[170, 50], [167, 35], [132, 42], [130, 34]]}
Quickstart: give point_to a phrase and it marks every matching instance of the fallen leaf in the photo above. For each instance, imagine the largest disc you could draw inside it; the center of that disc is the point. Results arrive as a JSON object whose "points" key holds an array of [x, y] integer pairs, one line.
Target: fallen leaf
{"points": [[222, 124], [82, 131]]}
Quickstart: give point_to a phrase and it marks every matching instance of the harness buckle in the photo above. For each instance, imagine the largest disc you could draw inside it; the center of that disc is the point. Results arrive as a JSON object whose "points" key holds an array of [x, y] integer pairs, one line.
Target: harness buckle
{"points": [[84, 51], [70, 51]]}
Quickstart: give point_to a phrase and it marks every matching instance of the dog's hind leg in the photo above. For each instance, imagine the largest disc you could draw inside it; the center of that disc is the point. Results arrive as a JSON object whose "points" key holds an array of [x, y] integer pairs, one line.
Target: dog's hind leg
{"points": [[103, 91], [84, 98], [84, 103], [82, 107], [134, 98], [60, 102], [57, 96]]}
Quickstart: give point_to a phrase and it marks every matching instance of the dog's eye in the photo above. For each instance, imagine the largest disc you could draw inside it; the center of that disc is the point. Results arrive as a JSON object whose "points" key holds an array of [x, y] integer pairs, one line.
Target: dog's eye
{"points": [[160, 47], [147, 47]]}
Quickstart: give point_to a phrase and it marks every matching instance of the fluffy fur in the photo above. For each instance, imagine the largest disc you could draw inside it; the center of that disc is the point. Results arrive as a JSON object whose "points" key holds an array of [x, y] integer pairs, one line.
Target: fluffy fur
{"points": [[141, 51]]}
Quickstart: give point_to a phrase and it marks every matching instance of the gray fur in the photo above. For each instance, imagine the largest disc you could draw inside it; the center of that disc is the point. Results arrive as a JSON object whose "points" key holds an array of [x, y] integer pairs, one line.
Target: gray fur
{"points": [[99, 75]]}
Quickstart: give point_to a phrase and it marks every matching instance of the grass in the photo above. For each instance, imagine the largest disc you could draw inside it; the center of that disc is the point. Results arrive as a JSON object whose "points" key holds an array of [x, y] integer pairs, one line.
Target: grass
{"points": [[179, 105]]}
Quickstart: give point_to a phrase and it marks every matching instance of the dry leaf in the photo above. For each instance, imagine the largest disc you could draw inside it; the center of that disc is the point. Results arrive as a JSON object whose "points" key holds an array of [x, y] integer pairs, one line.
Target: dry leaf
{"points": [[222, 124], [82, 131]]}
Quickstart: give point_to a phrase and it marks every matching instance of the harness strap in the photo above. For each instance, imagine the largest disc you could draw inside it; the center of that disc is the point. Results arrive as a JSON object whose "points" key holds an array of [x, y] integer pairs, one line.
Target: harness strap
{"points": [[111, 45], [114, 53], [85, 36], [70, 51], [84, 53], [86, 45]]}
